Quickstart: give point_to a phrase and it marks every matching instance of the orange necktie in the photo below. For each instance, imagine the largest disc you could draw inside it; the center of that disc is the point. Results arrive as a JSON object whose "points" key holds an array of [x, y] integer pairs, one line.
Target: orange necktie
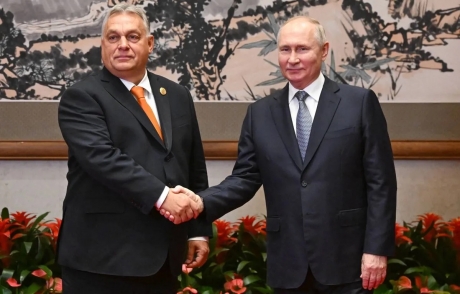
{"points": [[138, 92]]}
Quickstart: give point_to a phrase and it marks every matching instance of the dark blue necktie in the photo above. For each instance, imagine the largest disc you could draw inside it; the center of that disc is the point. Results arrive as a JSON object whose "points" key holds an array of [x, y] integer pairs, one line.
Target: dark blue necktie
{"points": [[303, 123]]}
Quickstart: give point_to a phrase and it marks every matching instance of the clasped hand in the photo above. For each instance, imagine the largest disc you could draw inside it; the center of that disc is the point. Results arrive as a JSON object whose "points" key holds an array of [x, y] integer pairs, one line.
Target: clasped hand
{"points": [[181, 205]]}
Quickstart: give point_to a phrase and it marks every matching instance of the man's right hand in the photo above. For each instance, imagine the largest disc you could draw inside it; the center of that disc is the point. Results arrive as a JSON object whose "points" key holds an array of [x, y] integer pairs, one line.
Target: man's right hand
{"points": [[195, 200], [180, 207]]}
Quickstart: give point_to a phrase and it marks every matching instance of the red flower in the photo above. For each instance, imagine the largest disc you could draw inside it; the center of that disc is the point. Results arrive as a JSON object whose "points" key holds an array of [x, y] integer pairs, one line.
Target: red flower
{"points": [[403, 283], [13, 283], [431, 227], [54, 231], [400, 237], [39, 273], [455, 288], [5, 242], [224, 232], [235, 286], [187, 290], [455, 228], [54, 284], [251, 226], [22, 218]]}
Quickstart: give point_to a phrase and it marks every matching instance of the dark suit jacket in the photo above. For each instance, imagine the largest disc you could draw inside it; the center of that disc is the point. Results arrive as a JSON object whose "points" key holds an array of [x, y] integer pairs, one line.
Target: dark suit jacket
{"points": [[322, 214], [118, 168]]}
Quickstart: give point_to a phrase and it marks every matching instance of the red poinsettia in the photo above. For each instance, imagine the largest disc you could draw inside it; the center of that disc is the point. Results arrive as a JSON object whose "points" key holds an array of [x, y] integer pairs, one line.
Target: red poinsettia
{"points": [[433, 227], [400, 237], [235, 286]]}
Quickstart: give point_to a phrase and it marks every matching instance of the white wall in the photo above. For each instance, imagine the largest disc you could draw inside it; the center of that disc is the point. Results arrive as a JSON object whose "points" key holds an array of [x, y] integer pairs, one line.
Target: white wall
{"points": [[423, 186]]}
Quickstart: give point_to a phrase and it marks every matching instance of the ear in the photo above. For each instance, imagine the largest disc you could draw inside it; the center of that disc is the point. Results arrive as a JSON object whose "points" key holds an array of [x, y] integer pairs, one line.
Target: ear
{"points": [[325, 51], [150, 42]]}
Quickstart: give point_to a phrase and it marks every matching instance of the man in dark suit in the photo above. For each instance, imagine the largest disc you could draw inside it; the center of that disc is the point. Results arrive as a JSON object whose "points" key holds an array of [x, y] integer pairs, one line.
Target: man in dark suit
{"points": [[322, 152], [125, 150]]}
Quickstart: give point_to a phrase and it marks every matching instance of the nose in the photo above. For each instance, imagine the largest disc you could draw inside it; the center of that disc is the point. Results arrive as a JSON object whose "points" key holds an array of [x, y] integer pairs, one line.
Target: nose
{"points": [[293, 57], [123, 43]]}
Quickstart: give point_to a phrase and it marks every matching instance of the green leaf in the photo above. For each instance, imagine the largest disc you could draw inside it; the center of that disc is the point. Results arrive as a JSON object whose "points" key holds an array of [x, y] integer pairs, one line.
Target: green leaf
{"points": [[27, 246], [7, 273], [383, 289], [36, 223], [5, 213], [5, 290], [431, 283], [23, 275], [33, 288], [263, 290], [251, 279], [396, 261], [241, 265]]}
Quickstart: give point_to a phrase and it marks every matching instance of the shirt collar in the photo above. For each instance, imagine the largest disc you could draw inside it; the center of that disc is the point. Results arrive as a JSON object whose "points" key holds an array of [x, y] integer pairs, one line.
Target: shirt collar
{"points": [[144, 83], [313, 90]]}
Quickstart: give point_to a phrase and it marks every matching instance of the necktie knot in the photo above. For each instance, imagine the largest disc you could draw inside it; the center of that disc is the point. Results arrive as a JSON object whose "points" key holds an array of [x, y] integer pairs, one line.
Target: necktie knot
{"points": [[301, 95], [138, 92]]}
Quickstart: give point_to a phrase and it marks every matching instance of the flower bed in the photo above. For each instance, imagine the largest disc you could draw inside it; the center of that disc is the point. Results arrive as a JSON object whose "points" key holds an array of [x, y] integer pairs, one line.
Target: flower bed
{"points": [[427, 258]]}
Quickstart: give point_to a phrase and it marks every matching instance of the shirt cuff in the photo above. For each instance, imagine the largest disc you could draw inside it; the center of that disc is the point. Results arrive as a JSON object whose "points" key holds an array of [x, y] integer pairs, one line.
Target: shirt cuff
{"points": [[162, 197], [199, 239]]}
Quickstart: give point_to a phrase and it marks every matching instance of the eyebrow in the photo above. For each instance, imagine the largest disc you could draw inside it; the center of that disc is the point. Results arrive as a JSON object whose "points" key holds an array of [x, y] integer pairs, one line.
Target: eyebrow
{"points": [[110, 31]]}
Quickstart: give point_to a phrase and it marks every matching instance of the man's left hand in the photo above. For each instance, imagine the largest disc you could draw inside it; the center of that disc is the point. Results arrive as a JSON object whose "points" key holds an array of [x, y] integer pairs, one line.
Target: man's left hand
{"points": [[198, 252], [373, 270]]}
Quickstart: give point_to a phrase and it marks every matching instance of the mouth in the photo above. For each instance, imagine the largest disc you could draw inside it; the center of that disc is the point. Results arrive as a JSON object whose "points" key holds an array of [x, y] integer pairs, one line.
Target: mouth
{"points": [[123, 57]]}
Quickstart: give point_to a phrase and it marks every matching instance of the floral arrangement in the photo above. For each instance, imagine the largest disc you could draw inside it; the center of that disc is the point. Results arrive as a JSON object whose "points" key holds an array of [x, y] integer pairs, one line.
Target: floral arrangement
{"points": [[427, 258], [27, 252], [236, 263]]}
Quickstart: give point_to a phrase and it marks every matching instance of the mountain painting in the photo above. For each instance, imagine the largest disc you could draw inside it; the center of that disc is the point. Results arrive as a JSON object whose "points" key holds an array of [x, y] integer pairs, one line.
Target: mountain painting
{"points": [[226, 50]]}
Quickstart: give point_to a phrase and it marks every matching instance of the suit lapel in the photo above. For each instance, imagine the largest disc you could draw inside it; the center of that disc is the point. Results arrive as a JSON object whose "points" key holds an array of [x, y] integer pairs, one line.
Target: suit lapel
{"points": [[327, 105], [164, 109], [119, 92], [283, 121]]}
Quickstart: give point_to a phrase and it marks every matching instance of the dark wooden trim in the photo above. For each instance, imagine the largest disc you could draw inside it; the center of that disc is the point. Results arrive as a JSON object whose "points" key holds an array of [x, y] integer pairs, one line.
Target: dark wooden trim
{"points": [[225, 150]]}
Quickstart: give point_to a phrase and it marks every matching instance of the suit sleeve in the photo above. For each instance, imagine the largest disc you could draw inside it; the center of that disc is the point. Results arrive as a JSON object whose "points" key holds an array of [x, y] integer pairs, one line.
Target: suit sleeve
{"points": [[85, 131], [380, 180], [198, 176], [242, 184]]}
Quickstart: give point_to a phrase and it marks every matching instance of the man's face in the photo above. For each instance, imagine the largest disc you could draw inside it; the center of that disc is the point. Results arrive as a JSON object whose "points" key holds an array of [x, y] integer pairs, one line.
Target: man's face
{"points": [[299, 54], [125, 46]]}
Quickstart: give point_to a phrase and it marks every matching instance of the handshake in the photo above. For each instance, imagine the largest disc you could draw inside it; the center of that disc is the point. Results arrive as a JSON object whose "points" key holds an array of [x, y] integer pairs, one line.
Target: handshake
{"points": [[181, 205]]}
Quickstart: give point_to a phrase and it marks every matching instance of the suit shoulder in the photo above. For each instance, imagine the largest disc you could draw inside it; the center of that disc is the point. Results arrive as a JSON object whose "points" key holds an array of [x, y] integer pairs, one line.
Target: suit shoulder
{"points": [[165, 81], [353, 89], [86, 83], [268, 100]]}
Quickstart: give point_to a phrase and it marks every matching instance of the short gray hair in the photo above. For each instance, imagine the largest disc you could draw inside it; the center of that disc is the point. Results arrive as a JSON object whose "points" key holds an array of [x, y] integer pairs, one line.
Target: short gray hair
{"points": [[127, 8], [320, 33]]}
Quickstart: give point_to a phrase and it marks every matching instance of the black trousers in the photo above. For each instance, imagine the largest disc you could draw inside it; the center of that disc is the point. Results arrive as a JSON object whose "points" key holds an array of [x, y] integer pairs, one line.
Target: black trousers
{"points": [[81, 282], [312, 286]]}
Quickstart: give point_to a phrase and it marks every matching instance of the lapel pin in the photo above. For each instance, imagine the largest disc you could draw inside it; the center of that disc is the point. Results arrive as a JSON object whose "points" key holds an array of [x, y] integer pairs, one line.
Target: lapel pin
{"points": [[162, 91]]}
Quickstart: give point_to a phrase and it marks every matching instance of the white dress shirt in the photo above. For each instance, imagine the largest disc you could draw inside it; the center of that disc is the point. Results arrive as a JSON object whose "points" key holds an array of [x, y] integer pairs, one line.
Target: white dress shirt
{"points": [[314, 91]]}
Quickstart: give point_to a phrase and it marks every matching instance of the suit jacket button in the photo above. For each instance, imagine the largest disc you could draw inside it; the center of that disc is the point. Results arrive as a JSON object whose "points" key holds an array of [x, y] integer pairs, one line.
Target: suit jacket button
{"points": [[304, 184]]}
